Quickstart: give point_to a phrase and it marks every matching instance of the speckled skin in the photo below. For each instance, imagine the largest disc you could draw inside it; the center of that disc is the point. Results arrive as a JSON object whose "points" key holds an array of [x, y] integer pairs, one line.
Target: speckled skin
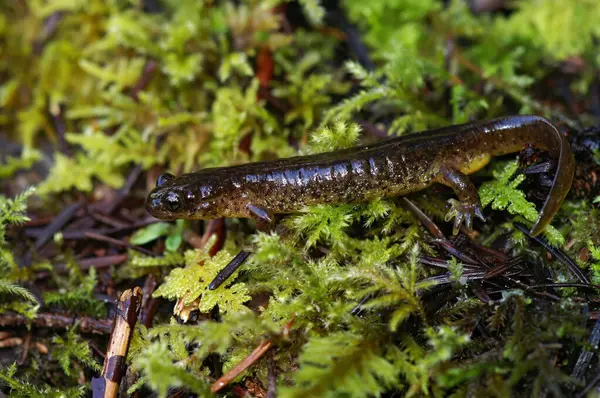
{"points": [[391, 167]]}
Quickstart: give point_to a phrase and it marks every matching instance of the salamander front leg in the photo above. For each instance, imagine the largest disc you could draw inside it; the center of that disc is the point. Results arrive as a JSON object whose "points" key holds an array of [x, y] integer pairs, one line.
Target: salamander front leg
{"points": [[264, 222], [263, 217], [468, 203]]}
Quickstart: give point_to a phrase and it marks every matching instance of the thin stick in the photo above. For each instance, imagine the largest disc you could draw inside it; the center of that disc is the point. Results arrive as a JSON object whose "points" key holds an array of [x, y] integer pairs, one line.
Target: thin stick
{"points": [[87, 263], [229, 269], [123, 191], [108, 220], [145, 79], [250, 359], [84, 324], [437, 233], [117, 242], [243, 365], [148, 303], [128, 308], [59, 221], [26, 346], [556, 252], [80, 234]]}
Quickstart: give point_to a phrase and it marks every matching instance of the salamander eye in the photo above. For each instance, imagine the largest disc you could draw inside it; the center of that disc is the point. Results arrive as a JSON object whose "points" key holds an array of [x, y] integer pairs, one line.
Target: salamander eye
{"points": [[164, 178], [173, 201]]}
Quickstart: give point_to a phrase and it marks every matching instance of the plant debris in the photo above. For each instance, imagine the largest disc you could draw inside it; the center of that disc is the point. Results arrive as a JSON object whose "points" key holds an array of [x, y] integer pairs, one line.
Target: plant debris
{"points": [[99, 98]]}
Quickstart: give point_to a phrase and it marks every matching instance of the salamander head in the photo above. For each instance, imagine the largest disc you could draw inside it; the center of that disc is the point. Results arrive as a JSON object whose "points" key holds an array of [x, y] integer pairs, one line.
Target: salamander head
{"points": [[184, 197]]}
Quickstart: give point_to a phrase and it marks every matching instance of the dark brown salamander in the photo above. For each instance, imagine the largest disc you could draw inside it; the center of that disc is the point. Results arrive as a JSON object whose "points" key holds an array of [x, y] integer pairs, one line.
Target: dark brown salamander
{"points": [[396, 166]]}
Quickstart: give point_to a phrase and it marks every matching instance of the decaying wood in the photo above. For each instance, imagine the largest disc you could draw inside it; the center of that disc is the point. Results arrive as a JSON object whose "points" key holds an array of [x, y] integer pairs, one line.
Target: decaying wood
{"points": [[84, 324], [128, 308]]}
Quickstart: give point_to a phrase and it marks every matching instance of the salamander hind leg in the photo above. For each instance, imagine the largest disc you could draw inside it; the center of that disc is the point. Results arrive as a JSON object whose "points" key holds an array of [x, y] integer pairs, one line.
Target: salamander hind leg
{"points": [[468, 205]]}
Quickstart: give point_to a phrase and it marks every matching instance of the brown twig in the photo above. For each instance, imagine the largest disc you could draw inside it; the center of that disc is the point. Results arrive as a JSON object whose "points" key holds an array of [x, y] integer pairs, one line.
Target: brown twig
{"points": [[502, 268], [440, 238], [59, 221], [128, 308], [148, 303], [145, 78], [108, 220], [214, 227], [243, 365], [117, 242], [108, 208], [38, 221], [556, 252], [147, 308], [84, 324], [528, 289], [87, 263], [81, 234], [249, 360], [26, 345], [566, 284]]}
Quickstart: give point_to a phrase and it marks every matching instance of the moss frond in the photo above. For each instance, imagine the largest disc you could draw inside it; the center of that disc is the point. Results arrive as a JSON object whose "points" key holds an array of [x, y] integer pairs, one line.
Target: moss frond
{"points": [[77, 293], [24, 389], [342, 363], [190, 283], [503, 194], [73, 349], [7, 288], [162, 373], [12, 164], [94, 89]]}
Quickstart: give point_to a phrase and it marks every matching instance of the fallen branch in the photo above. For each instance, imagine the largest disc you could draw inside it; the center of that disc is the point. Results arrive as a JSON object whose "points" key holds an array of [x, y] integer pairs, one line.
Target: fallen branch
{"points": [[245, 363], [114, 368], [117, 242], [84, 324]]}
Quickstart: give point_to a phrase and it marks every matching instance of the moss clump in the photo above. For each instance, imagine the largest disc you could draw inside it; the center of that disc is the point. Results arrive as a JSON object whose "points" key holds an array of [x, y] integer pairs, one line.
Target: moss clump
{"points": [[97, 98]]}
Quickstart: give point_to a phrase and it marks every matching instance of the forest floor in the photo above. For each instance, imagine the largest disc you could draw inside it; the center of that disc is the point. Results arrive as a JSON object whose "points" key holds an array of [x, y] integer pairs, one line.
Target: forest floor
{"points": [[100, 98]]}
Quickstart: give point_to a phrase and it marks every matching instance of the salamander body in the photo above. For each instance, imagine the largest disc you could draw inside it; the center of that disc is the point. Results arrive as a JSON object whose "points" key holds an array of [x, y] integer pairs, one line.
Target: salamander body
{"points": [[391, 167]]}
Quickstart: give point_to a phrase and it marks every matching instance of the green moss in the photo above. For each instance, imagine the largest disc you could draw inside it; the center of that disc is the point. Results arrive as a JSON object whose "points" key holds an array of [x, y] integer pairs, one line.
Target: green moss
{"points": [[203, 83], [14, 297], [502, 193], [190, 283], [25, 389], [73, 350], [76, 293]]}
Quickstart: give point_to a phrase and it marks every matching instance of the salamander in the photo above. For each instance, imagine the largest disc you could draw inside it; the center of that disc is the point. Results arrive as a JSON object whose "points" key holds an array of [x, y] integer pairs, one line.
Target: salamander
{"points": [[391, 167]]}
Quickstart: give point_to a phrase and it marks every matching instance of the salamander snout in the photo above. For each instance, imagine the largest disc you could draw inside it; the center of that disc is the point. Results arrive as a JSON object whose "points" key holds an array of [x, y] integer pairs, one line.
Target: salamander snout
{"points": [[183, 198], [164, 203]]}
